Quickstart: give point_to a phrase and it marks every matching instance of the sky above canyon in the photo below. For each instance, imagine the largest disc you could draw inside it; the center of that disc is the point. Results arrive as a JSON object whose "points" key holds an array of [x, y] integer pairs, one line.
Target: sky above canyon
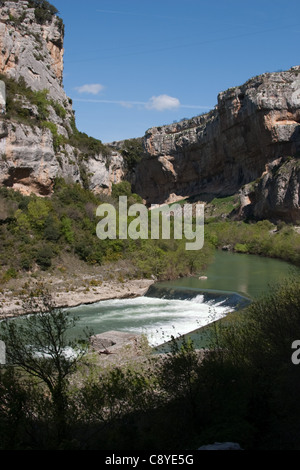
{"points": [[133, 64]]}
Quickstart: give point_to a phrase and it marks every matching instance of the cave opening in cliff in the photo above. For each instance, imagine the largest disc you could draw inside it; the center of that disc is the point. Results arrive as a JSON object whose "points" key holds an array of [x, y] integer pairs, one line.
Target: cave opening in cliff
{"points": [[22, 179]]}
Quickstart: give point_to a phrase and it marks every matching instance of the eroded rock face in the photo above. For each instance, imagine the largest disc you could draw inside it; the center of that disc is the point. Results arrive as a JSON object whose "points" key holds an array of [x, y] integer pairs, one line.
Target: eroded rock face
{"points": [[34, 152], [219, 152], [31, 50], [251, 129], [104, 172], [28, 162], [276, 195]]}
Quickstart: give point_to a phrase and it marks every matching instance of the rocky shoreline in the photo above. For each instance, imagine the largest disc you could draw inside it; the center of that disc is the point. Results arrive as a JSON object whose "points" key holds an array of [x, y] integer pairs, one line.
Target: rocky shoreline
{"points": [[63, 297]]}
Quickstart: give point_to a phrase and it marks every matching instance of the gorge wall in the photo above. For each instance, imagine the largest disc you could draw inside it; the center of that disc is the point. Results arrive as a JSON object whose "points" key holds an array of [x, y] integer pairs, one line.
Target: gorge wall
{"points": [[253, 129], [38, 137], [248, 144]]}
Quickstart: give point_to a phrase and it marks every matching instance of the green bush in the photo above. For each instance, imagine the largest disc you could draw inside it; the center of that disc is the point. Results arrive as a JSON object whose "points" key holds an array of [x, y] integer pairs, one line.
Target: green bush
{"points": [[124, 189], [241, 248], [89, 146], [256, 346], [43, 11], [11, 273], [133, 152], [58, 139], [43, 256]]}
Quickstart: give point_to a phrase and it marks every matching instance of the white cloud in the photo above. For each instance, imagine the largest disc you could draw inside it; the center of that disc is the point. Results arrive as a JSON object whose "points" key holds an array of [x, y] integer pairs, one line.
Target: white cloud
{"points": [[162, 103], [92, 88], [158, 103]]}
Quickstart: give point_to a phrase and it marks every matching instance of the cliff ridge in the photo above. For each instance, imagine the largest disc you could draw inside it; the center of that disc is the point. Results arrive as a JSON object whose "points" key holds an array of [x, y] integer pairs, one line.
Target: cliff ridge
{"points": [[217, 154], [39, 140]]}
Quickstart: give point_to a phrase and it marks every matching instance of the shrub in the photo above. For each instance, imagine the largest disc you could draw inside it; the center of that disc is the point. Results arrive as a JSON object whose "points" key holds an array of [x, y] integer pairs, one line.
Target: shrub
{"points": [[58, 139], [89, 146], [133, 152], [257, 347], [43, 11], [43, 256], [11, 273]]}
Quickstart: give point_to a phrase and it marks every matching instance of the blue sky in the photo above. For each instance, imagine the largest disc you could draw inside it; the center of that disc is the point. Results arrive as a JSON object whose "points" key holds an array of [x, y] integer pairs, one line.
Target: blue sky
{"points": [[133, 64]]}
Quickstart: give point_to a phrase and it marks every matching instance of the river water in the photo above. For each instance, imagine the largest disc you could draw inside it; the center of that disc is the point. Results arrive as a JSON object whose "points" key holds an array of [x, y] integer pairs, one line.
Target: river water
{"points": [[178, 307]]}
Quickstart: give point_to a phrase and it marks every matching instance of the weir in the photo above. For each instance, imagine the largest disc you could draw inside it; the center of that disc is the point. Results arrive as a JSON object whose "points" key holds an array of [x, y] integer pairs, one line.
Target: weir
{"points": [[215, 300], [211, 297]]}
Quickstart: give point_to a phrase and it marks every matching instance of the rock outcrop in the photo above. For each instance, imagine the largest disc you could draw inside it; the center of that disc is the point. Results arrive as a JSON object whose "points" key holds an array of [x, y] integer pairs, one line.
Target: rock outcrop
{"points": [[32, 50], [37, 122], [275, 195], [248, 144], [216, 154]]}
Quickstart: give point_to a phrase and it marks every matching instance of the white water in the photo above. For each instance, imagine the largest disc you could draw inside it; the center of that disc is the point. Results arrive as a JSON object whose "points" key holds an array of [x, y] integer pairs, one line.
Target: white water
{"points": [[158, 319]]}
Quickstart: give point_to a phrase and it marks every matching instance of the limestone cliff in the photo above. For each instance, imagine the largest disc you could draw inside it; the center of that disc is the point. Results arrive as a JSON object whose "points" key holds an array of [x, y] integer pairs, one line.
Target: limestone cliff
{"points": [[252, 134], [32, 50], [275, 195], [38, 136], [216, 154]]}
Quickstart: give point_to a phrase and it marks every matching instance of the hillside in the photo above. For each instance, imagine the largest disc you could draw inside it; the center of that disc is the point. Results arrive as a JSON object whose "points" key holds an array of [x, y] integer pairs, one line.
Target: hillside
{"points": [[241, 159], [247, 145]]}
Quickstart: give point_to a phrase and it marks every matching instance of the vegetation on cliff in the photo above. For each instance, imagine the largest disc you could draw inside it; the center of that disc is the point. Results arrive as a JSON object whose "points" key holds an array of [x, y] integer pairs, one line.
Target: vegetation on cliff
{"points": [[43, 10], [26, 106]]}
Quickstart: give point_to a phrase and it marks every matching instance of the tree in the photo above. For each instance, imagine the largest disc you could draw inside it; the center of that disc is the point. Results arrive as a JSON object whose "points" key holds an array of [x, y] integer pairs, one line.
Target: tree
{"points": [[133, 152], [44, 11], [40, 345]]}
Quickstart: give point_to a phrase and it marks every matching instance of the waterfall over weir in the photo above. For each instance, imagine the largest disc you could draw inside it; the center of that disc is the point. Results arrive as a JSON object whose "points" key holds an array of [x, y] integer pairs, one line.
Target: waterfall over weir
{"points": [[161, 313], [210, 297]]}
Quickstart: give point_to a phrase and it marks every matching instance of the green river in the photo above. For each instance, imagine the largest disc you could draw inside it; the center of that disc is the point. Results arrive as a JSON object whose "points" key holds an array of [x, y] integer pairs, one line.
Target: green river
{"points": [[181, 306]]}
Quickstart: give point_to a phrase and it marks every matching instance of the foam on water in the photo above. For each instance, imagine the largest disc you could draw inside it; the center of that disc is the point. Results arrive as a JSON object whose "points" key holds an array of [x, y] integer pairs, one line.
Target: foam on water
{"points": [[157, 318]]}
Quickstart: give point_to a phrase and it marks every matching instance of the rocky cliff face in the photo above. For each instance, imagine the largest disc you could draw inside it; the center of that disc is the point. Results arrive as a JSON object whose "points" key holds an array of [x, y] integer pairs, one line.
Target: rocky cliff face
{"points": [[275, 195], [252, 134], [216, 154], [31, 50], [38, 137]]}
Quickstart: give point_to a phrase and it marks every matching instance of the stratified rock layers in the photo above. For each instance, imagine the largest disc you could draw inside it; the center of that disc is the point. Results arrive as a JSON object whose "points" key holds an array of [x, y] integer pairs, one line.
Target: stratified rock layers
{"points": [[253, 134], [217, 153]]}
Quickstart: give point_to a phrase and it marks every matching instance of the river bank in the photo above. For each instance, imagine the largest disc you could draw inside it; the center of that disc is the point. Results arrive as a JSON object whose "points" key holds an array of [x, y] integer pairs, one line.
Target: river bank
{"points": [[69, 291], [248, 275]]}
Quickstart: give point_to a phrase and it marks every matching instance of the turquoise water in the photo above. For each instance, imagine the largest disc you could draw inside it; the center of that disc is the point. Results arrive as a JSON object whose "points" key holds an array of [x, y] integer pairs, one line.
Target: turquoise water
{"points": [[178, 307], [248, 275]]}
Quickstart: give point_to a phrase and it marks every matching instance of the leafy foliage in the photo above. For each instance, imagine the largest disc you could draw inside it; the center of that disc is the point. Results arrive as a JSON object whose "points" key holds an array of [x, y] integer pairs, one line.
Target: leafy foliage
{"points": [[132, 152], [39, 347], [244, 388], [89, 146], [258, 238], [36, 231]]}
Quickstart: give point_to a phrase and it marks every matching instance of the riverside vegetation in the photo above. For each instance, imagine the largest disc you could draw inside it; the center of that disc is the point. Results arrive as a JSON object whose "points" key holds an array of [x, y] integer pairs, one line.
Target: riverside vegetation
{"points": [[244, 387], [36, 232]]}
